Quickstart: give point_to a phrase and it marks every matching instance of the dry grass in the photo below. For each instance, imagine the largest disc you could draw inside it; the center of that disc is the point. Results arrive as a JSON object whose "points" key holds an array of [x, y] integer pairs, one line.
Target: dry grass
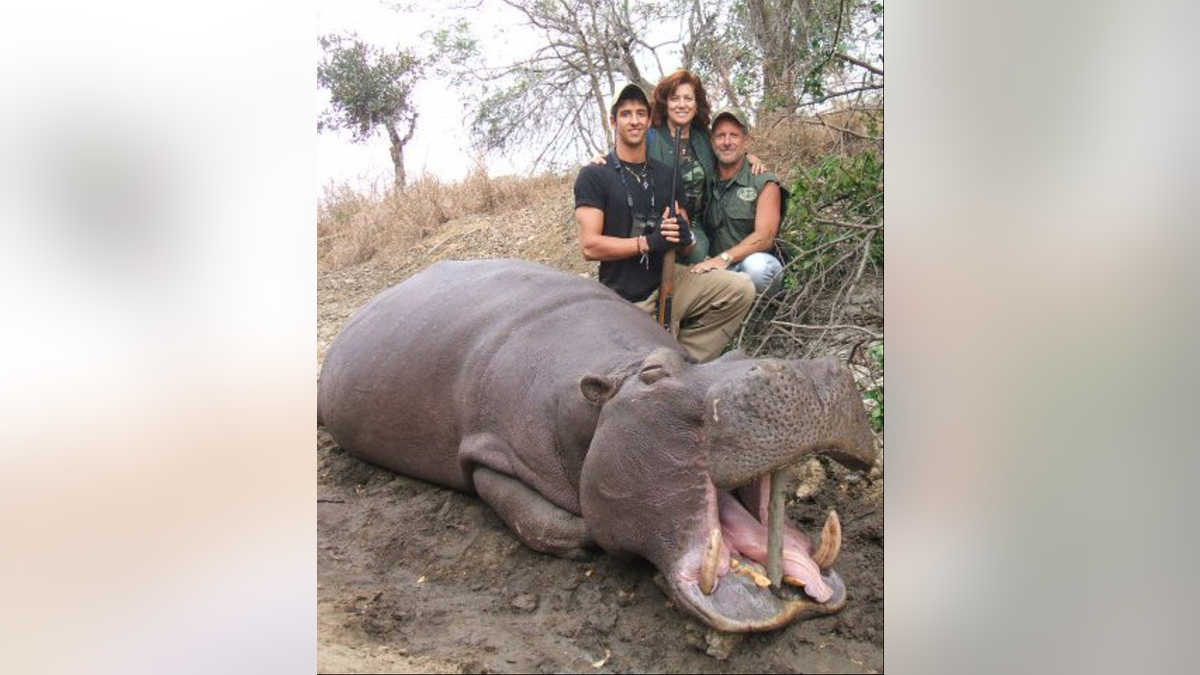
{"points": [[788, 143], [354, 226]]}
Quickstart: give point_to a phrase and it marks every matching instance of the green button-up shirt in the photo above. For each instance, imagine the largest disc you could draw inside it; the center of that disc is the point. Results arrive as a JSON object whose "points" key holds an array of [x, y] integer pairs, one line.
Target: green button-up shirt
{"points": [[730, 216]]}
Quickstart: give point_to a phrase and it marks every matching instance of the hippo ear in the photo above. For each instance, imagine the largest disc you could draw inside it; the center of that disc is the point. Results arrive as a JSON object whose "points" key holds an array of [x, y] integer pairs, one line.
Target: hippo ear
{"points": [[599, 389]]}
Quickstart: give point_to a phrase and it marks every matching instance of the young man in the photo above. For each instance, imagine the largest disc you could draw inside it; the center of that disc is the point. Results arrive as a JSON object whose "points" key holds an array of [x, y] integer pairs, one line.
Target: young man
{"points": [[744, 215], [625, 223]]}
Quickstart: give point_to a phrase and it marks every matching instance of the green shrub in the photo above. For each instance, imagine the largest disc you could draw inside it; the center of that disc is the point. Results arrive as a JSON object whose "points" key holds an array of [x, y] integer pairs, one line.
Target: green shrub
{"points": [[875, 392]]}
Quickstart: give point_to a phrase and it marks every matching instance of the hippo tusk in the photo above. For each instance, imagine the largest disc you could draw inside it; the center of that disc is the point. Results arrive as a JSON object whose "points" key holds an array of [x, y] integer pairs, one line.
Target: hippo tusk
{"points": [[712, 560], [831, 542]]}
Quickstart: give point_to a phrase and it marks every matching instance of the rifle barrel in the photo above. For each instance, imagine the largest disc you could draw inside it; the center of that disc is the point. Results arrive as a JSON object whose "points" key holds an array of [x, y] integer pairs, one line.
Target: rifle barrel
{"points": [[666, 286]]}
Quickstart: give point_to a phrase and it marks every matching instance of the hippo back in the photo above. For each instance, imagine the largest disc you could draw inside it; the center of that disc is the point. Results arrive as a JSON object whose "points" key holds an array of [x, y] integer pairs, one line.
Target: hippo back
{"points": [[478, 347]]}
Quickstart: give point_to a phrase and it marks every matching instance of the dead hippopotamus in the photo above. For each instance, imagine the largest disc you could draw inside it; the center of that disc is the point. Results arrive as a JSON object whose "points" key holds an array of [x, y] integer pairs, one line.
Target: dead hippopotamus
{"points": [[583, 423]]}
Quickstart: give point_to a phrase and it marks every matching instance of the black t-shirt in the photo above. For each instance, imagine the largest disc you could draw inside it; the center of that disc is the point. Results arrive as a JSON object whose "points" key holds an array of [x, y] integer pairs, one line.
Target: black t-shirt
{"points": [[600, 186]]}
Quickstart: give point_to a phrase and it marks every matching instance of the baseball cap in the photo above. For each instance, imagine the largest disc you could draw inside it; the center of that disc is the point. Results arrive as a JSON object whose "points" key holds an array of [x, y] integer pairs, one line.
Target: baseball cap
{"points": [[629, 91], [730, 111]]}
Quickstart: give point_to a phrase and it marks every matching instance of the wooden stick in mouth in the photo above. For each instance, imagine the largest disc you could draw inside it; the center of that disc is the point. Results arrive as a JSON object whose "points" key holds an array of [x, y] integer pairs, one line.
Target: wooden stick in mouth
{"points": [[775, 520]]}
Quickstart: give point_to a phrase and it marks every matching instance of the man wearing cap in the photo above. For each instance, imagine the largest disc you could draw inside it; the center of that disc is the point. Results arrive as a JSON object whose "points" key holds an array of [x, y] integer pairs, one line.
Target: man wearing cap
{"points": [[743, 217], [624, 222]]}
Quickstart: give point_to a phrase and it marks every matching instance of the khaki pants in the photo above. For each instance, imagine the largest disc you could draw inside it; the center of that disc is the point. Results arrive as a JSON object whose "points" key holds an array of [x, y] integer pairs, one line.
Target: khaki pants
{"points": [[706, 309]]}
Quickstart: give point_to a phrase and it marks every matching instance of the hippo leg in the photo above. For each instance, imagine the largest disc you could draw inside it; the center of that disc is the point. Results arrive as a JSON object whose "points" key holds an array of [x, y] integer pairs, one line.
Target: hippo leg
{"points": [[537, 522]]}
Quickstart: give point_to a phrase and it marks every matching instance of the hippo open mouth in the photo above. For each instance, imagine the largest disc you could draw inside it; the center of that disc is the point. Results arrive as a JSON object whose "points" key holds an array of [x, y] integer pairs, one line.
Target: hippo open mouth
{"points": [[724, 578], [696, 499], [727, 574]]}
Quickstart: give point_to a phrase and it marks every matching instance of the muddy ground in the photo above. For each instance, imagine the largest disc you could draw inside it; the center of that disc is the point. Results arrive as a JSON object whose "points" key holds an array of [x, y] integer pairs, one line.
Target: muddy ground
{"points": [[413, 577]]}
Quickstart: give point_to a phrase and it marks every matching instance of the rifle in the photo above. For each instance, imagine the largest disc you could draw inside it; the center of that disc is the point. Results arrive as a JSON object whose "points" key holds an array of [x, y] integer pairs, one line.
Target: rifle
{"points": [[666, 287]]}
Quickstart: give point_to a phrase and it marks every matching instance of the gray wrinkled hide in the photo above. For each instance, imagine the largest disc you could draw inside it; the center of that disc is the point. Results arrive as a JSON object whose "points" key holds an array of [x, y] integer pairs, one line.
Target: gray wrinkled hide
{"points": [[480, 350]]}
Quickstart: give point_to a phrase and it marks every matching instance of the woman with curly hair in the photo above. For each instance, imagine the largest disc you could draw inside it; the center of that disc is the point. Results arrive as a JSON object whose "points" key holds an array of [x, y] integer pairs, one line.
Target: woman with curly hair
{"points": [[680, 102]]}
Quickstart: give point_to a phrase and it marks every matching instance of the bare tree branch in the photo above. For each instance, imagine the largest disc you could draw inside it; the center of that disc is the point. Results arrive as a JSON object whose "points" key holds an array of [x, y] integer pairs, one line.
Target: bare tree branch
{"points": [[821, 121], [859, 63], [836, 94], [857, 226], [825, 327]]}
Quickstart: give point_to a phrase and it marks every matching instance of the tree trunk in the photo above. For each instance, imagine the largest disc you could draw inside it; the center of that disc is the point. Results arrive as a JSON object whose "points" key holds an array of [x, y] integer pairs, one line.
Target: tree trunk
{"points": [[781, 29], [398, 143], [397, 158], [779, 86]]}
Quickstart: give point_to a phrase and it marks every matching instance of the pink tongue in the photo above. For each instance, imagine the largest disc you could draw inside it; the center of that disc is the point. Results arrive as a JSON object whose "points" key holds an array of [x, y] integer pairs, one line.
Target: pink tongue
{"points": [[745, 535]]}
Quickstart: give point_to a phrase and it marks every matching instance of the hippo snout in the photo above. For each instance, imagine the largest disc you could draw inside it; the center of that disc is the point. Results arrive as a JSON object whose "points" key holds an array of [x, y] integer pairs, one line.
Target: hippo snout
{"points": [[774, 412]]}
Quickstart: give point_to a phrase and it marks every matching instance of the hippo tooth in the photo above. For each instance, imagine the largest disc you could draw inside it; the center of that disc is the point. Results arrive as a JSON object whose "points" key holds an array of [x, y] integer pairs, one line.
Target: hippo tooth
{"points": [[831, 542], [712, 560], [759, 578], [789, 579]]}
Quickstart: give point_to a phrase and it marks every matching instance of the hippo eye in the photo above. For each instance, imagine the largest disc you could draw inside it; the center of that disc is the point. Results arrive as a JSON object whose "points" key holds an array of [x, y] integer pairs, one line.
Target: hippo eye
{"points": [[653, 373]]}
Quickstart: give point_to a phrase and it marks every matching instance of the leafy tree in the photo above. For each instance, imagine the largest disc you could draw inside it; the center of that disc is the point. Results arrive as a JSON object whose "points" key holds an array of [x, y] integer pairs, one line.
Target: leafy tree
{"points": [[369, 88]]}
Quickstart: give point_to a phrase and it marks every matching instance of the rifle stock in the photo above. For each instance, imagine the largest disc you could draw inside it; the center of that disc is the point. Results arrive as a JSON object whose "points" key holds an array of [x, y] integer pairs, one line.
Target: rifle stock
{"points": [[666, 289]]}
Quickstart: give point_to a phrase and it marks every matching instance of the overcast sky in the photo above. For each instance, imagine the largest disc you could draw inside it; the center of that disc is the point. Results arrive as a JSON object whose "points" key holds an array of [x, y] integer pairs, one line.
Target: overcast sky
{"points": [[441, 144]]}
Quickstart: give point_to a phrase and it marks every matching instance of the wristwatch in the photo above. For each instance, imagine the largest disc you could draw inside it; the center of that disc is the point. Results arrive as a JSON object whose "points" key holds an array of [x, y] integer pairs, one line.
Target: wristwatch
{"points": [[726, 257]]}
